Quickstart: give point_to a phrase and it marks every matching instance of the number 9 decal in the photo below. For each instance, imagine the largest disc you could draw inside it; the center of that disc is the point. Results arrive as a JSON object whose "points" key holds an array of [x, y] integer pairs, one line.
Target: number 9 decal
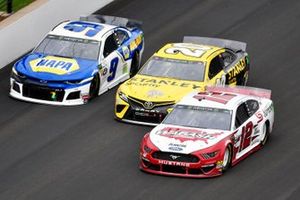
{"points": [[113, 69]]}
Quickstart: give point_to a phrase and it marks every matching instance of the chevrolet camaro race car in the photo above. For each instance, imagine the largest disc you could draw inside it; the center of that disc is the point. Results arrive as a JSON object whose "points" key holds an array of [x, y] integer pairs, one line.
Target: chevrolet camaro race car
{"points": [[208, 132], [79, 60], [176, 70]]}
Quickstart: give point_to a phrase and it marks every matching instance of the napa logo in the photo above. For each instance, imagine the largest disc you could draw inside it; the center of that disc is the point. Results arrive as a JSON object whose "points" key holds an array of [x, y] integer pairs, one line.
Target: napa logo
{"points": [[54, 65]]}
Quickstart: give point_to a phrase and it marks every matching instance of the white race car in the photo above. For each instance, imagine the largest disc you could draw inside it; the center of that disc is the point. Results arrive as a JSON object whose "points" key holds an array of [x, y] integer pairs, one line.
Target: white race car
{"points": [[79, 60], [208, 132]]}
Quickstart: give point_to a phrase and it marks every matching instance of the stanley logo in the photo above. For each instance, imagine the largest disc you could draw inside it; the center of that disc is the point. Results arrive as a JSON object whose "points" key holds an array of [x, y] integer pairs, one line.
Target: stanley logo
{"points": [[54, 65]]}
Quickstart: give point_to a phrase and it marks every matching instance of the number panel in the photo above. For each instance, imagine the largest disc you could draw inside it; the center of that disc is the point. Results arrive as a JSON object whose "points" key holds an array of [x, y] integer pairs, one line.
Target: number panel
{"points": [[187, 50], [113, 69]]}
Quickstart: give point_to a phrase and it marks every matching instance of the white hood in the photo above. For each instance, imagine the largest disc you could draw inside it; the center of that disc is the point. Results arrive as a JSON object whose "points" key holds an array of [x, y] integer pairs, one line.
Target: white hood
{"points": [[170, 138]]}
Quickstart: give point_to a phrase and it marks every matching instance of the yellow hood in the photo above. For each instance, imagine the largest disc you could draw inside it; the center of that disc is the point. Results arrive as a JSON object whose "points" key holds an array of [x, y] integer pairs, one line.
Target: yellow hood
{"points": [[158, 89]]}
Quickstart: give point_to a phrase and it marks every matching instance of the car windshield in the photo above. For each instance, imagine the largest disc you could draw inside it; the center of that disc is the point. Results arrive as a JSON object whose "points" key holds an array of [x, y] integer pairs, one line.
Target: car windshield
{"points": [[199, 117], [173, 68], [69, 47]]}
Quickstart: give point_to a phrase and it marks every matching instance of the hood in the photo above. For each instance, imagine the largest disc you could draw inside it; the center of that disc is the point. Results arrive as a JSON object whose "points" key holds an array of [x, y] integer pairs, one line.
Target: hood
{"points": [[169, 138], [53, 68], [158, 89]]}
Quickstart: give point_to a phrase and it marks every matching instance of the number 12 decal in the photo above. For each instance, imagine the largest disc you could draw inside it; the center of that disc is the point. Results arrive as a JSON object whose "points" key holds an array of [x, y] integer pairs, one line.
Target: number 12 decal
{"points": [[246, 136], [113, 69]]}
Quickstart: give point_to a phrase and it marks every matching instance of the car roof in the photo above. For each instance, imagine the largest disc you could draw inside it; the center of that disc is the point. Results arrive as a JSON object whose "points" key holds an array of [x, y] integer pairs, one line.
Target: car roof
{"points": [[82, 30], [221, 100], [207, 51]]}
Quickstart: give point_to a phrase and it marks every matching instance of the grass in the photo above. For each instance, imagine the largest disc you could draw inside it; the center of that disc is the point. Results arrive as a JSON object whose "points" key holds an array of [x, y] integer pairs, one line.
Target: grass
{"points": [[17, 4]]}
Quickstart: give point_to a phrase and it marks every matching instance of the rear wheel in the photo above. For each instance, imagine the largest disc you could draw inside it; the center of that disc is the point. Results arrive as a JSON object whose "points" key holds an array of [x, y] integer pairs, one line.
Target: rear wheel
{"points": [[227, 158], [135, 64], [265, 134], [244, 78], [94, 87]]}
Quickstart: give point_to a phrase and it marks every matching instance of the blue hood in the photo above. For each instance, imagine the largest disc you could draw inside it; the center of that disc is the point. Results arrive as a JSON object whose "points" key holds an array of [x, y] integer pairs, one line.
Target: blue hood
{"points": [[53, 68]]}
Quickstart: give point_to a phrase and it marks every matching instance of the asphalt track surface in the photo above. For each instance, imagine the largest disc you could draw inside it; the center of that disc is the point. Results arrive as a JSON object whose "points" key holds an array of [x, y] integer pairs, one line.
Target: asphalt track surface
{"points": [[81, 152]]}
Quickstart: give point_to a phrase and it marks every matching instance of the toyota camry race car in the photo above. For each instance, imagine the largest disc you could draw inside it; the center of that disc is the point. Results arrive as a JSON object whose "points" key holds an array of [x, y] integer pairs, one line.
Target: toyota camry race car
{"points": [[79, 60], [207, 132], [176, 70]]}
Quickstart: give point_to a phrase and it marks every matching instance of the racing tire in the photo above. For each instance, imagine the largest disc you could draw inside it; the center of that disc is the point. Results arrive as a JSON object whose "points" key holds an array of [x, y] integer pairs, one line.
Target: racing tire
{"points": [[135, 64], [265, 134], [227, 158], [94, 87], [244, 79]]}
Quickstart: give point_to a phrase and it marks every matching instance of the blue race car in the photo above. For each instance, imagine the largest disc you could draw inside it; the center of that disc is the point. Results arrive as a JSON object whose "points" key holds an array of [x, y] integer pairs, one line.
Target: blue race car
{"points": [[79, 60]]}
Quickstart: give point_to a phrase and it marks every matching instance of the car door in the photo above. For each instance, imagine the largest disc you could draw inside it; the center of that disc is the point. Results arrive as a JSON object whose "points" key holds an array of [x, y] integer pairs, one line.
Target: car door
{"points": [[112, 62], [244, 130]]}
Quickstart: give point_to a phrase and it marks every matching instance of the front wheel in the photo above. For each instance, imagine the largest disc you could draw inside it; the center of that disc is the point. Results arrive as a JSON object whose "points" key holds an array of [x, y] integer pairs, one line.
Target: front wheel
{"points": [[94, 87], [265, 134], [227, 158], [244, 78], [135, 64]]}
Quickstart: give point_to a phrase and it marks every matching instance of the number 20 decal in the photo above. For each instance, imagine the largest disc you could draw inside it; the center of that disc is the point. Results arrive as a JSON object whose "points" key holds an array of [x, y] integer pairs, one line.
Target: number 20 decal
{"points": [[221, 81], [246, 136], [113, 69], [187, 50]]}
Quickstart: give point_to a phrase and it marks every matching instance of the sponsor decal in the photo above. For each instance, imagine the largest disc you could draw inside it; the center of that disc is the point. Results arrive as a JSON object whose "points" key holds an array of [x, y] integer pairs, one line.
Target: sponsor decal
{"points": [[104, 71], [135, 43], [125, 68], [174, 163], [268, 110], [174, 157], [238, 67], [54, 65], [126, 52], [53, 96], [150, 82], [144, 110], [175, 148], [188, 134], [148, 105], [217, 97], [155, 93]]}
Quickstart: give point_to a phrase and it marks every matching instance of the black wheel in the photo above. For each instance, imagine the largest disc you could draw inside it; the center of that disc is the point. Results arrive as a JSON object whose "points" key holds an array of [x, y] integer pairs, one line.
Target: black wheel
{"points": [[227, 158], [135, 64], [244, 78], [265, 134], [94, 87]]}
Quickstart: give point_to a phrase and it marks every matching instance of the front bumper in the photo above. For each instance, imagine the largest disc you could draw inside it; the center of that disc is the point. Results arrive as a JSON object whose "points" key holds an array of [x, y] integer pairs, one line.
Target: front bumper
{"points": [[44, 94], [133, 112], [200, 169]]}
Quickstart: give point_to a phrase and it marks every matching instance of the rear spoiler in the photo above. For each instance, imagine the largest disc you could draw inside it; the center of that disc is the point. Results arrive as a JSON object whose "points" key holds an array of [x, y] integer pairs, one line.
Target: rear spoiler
{"points": [[230, 44], [251, 91], [112, 20]]}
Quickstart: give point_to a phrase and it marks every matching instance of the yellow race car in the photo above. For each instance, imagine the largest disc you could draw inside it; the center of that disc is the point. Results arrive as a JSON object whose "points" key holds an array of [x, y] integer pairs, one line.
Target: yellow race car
{"points": [[176, 70]]}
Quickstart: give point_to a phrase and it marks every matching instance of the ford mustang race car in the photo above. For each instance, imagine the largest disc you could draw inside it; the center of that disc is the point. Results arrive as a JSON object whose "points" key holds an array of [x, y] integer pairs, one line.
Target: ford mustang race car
{"points": [[207, 132], [176, 70], [79, 60]]}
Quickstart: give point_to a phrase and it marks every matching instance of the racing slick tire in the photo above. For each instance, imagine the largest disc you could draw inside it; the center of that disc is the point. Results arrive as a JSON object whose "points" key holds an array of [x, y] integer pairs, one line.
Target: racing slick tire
{"points": [[243, 79], [135, 64], [94, 87], [227, 158], [265, 134]]}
